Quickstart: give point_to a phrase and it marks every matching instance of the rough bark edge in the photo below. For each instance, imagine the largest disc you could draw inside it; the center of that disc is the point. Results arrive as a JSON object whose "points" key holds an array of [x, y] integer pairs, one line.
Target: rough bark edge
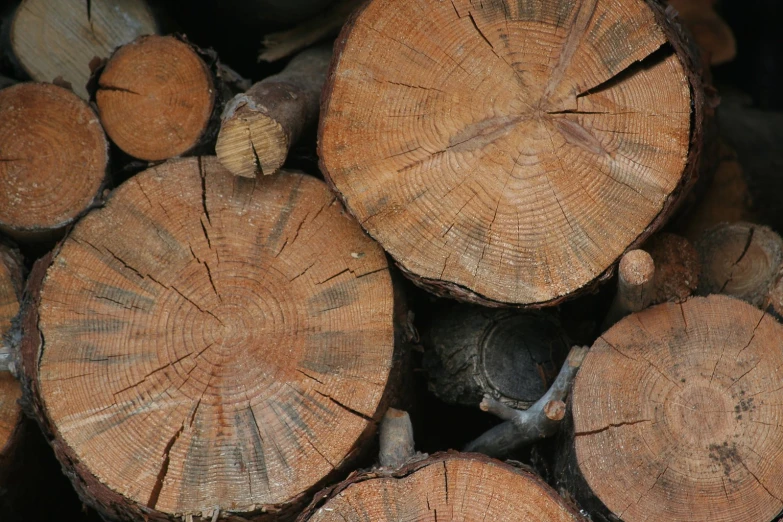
{"points": [[411, 467], [685, 50], [111, 505]]}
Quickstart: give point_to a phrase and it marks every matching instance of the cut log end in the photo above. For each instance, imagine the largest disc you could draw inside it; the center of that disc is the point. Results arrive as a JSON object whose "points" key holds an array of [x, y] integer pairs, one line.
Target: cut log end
{"points": [[260, 125], [740, 259], [252, 143], [511, 356], [156, 97], [675, 412], [53, 158], [445, 487], [518, 172], [74, 34], [242, 356]]}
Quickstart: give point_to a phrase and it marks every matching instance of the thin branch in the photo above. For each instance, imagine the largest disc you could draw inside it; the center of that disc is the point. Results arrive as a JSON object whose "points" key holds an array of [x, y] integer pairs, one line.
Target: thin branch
{"points": [[541, 420]]}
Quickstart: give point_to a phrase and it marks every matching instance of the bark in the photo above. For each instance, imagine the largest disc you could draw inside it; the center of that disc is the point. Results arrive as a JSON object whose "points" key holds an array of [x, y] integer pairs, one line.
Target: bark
{"points": [[259, 126], [403, 154], [241, 351], [677, 267], [53, 161], [511, 356], [446, 486], [72, 36], [663, 415], [160, 97]]}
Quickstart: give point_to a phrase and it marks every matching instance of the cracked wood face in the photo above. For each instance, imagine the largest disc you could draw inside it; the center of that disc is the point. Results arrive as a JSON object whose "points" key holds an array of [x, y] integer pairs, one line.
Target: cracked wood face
{"points": [[52, 38], [740, 259], [676, 413], [215, 341], [507, 152], [466, 487], [53, 157], [156, 97]]}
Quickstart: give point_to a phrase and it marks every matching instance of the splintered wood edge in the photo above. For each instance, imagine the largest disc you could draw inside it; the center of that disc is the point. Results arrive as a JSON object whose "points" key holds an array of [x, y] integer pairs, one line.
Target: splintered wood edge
{"points": [[685, 49], [411, 467]]}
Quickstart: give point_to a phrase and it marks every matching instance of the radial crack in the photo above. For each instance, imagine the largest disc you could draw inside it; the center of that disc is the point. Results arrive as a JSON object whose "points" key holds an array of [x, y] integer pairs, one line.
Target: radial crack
{"points": [[164, 469]]}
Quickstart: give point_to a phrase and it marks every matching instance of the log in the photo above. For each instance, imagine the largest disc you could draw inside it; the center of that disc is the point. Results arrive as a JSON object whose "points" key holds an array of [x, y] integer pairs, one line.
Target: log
{"points": [[11, 282], [158, 98], [58, 38], [258, 127], [396, 439], [541, 420], [53, 160], [232, 366], [740, 259], [277, 46], [455, 132], [727, 198], [447, 486], [635, 281], [712, 34], [675, 416], [677, 267], [511, 356]]}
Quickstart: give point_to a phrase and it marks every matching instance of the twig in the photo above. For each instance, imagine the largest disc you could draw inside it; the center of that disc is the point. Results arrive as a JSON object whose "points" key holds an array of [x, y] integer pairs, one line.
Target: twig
{"points": [[541, 420]]}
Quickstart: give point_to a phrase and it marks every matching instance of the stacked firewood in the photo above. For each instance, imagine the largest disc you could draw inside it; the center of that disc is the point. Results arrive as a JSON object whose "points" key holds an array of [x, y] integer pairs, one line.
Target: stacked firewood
{"points": [[522, 214]]}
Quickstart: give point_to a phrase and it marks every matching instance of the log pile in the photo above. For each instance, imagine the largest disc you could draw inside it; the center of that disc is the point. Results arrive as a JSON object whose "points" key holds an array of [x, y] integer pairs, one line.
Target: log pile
{"points": [[466, 260]]}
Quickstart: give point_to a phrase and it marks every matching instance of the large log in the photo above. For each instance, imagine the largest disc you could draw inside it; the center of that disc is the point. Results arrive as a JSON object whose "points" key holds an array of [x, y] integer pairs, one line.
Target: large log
{"points": [[447, 486], [674, 416], [259, 126], [511, 356], [511, 152], [159, 97], [60, 38], [207, 345], [53, 159]]}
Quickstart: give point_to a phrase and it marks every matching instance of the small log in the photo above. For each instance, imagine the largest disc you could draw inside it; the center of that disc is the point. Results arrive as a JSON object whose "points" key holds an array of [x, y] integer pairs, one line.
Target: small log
{"points": [[59, 38], [742, 260], [635, 285], [674, 416], [259, 126], [511, 356], [540, 421], [396, 439], [726, 199], [446, 486], [277, 46], [456, 142], [242, 356], [158, 98], [53, 159], [712, 34], [677, 267]]}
